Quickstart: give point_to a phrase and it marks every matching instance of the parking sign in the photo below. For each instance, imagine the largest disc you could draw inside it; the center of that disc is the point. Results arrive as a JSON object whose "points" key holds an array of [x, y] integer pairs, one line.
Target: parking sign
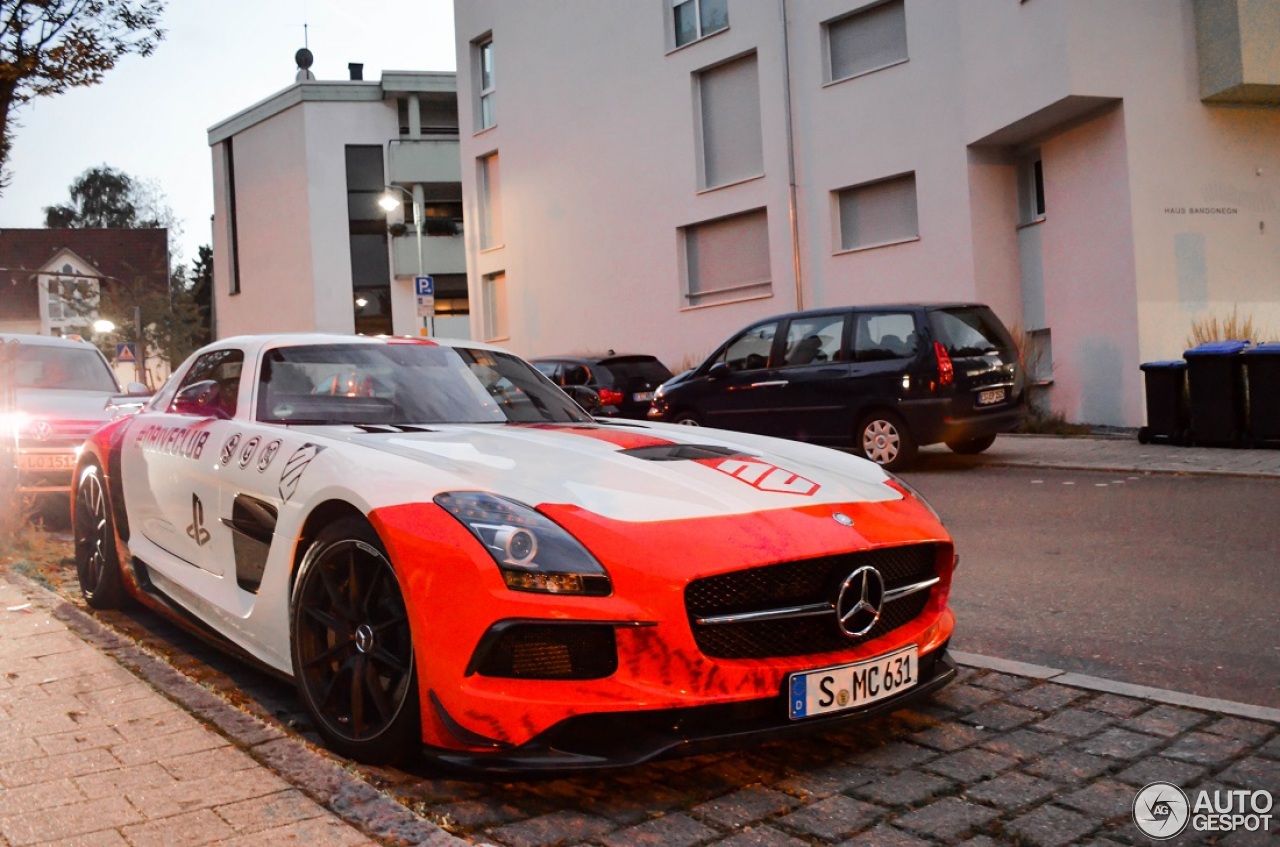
{"points": [[425, 289]]}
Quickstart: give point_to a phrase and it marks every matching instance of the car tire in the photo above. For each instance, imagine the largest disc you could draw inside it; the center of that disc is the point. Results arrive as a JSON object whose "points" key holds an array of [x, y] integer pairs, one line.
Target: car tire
{"points": [[972, 446], [352, 648], [883, 438], [687, 418], [97, 560]]}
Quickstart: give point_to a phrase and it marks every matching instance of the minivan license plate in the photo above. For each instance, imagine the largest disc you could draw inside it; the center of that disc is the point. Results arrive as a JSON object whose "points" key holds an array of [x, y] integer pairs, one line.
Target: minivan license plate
{"points": [[991, 397], [850, 686]]}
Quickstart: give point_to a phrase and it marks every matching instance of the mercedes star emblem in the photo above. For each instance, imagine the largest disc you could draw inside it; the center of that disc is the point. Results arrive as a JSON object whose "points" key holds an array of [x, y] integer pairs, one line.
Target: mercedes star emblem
{"points": [[858, 606]]}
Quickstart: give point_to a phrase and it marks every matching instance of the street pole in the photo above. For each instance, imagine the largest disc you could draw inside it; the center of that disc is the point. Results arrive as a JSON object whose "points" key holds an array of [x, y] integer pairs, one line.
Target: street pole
{"points": [[140, 354], [428, 321]]}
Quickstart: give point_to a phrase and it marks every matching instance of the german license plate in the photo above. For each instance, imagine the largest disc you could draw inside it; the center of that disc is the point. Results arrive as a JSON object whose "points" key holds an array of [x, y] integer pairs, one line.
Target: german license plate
{"points": [[990, 396], [642, 396], [851, 686], [46, 461]]}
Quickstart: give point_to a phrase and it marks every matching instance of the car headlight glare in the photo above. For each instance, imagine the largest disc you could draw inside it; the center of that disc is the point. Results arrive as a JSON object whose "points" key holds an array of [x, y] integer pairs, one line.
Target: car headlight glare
{"points": [[533, 552]]}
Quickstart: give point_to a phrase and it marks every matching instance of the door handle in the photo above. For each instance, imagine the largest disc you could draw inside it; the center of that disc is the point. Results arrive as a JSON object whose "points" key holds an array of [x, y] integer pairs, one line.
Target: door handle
{"points": [[773, 383]]}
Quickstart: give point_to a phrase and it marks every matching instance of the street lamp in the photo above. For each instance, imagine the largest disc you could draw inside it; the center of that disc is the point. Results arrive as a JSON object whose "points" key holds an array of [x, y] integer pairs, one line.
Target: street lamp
{"points": [[389, 203]]}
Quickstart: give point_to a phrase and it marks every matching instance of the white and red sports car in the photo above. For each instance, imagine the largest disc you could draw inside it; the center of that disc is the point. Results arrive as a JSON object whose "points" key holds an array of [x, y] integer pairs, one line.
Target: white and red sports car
{"points": [[445, 553]]}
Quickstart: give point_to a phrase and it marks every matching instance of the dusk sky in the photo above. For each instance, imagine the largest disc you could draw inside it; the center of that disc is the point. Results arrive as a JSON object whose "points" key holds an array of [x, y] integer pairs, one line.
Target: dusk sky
{"points": [[149, 117]]}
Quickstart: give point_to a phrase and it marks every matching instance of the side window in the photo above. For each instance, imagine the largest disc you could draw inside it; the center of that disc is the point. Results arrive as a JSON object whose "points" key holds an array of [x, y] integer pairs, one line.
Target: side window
{"points": [[750, 350], [577, 375], [223, 368], [884, 335], [551, 370], [814, 340]]}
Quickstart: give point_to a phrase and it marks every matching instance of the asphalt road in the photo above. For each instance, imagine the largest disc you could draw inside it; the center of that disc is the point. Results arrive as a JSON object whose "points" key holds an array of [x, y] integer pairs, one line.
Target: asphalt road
{"points": [[1163, 580]]}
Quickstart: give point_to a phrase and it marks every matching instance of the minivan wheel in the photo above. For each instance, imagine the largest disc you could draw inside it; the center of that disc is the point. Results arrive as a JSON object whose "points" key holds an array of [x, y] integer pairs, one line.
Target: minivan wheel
{"points": [[972, 446], [883, 438]]}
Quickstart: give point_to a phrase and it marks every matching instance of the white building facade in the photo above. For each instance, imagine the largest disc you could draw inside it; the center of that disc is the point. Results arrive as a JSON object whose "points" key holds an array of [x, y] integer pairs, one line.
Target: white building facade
{"points": [[300, 242], [653, 175]]}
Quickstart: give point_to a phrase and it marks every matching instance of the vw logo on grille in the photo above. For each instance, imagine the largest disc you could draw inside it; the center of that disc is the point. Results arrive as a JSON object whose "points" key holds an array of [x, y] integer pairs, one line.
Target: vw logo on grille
{"points": [[860, 600], [42, 430]]}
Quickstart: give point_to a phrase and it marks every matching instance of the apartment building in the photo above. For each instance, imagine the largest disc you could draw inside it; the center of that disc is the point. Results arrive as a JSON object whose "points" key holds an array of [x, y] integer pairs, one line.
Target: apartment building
{"points": [[655, 174], [300, 242]]}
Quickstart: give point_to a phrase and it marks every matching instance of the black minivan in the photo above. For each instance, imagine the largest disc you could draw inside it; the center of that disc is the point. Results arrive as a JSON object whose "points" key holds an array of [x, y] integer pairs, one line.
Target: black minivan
{"points": [[884, 379]]}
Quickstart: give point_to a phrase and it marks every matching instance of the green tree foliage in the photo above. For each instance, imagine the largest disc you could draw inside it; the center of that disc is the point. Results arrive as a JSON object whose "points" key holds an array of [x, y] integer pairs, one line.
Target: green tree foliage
{"points": [[49, 46], [169, 320], [202, 291], [100, 197]]}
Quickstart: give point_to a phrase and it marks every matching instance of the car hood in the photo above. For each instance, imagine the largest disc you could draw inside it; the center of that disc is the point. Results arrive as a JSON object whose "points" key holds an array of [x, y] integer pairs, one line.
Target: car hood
{"points": [[64, 404], [654, 472]]}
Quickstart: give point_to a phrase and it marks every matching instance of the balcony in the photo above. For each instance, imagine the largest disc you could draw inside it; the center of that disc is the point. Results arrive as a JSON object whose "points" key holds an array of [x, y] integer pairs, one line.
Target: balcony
{"points": [[425, 160], [442, 254], [1236, 42]]}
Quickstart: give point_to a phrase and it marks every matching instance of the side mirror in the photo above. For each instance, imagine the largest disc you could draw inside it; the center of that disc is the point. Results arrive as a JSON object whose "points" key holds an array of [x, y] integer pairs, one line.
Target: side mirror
{"points": [[719, 370], [587, 398], [199, 399], [137, 389]]}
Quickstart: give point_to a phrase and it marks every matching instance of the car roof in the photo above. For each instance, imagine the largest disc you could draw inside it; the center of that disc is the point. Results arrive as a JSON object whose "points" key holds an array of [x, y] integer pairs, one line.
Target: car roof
{"points": [[876, 307], [45, 340], [256, 343], [588, 358]]}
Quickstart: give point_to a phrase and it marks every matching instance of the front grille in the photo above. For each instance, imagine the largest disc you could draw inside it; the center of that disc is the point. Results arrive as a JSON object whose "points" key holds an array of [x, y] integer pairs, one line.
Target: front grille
{"points": [[62, 433], [803, 583], [525, 650]]}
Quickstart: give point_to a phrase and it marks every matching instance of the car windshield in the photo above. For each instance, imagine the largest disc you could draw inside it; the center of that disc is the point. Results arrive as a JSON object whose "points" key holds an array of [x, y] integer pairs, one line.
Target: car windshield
{"points": [[405, 384], [62, 368]]}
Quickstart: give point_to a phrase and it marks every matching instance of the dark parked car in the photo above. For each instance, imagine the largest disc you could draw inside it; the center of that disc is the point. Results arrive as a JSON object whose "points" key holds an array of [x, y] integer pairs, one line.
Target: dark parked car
{"points": [[884, 379], [625, 382]]}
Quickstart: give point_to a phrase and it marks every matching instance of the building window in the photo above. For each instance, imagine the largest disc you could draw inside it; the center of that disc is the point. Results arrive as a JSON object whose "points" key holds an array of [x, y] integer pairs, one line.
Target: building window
{"points": [[485, 116], [866, 41], [875, 213], [694, 19], [490, 184], [1031, 190], [367, 238], [233, 235], [494, 294], [730, 138], [727, 259]]}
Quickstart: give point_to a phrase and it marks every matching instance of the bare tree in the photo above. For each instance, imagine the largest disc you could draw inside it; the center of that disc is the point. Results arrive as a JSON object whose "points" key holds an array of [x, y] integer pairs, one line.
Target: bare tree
{"points": [[49, 46]]}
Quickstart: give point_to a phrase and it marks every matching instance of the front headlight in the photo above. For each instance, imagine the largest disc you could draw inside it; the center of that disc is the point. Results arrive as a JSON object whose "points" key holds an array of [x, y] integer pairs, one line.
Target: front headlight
{"points": [[905, 486], [533, 552]]}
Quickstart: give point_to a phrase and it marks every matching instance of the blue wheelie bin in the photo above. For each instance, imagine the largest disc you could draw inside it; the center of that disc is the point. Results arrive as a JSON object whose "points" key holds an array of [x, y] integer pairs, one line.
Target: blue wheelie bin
{"points": [[1215, 386], [1262, 393], [1168, 416]]}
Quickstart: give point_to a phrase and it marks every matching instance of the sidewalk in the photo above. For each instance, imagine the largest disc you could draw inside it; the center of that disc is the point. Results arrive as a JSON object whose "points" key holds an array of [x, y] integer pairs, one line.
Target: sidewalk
{"points": [[102, 743], [1117, 453]]}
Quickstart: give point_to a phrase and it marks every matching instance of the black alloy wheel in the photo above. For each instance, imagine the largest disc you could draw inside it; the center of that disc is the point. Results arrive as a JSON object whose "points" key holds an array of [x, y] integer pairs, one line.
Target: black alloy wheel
{"points": [[352, 647], [972, 446], [97, 563]]}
